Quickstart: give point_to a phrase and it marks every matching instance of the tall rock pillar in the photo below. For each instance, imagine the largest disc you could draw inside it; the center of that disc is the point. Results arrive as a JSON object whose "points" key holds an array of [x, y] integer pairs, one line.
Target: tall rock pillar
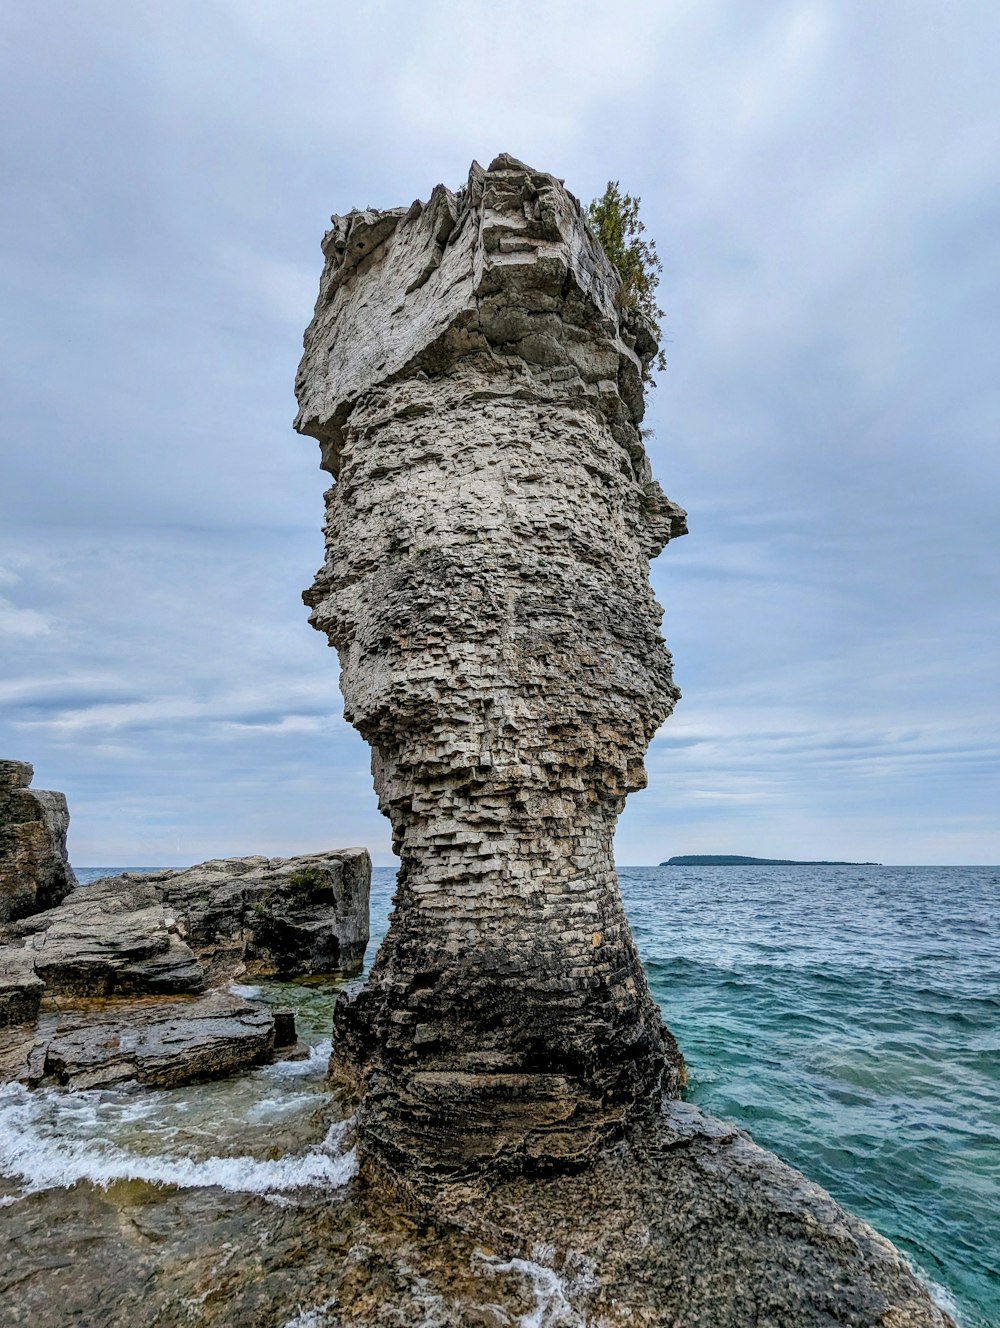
{"points": [[477, 393]]}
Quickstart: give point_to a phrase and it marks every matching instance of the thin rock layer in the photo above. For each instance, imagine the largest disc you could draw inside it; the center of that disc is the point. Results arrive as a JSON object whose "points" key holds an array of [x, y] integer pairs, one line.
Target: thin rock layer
{"points": [[477, 393]]}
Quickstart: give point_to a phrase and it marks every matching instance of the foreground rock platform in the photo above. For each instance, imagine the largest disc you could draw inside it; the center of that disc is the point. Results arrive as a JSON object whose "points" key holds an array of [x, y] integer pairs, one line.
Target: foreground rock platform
{"points": [[477, 392], [688, 1223], [684, 1224]]}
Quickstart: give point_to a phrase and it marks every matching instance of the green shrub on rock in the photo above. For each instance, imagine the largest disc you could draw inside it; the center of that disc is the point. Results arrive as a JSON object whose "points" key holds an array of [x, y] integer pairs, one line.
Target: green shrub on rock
{"points": [[614, 218]]}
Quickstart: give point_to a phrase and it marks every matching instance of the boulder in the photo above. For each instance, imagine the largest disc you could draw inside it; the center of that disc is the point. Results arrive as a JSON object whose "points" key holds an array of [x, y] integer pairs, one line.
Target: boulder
{"points": [[271, 916], [111, 938], [34, 870], [160, 1043]]}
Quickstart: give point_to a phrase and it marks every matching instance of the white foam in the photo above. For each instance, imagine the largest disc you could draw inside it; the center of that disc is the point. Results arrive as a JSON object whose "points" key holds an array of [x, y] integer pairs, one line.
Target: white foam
{"points": [[273, 1108], [551, 1308], [43, 1158], [247, 993], [314, 1318], [314, 1064], [940, 1295]]}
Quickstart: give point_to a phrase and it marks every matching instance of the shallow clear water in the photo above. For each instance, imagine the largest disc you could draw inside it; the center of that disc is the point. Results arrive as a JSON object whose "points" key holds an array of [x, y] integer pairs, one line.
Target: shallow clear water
{"points": [[848, 1017]]}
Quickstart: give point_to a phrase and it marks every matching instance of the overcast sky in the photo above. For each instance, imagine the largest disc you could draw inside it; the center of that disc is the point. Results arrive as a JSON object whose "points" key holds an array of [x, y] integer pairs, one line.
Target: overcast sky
{"points": [[823, 183]]}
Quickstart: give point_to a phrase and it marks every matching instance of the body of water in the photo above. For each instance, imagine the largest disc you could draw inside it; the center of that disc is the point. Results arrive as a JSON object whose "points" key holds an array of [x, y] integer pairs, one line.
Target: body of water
{"points": [[849, 1017]]}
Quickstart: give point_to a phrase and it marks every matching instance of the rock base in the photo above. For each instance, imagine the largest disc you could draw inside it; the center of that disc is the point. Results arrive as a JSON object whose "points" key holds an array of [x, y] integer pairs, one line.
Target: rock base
{"points": [[685, 1225], [689, 1223]]}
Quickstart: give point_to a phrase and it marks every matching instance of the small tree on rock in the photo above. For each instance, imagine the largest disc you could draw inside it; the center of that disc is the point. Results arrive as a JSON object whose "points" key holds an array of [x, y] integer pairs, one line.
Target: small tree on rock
{"points": [[614, 218]]}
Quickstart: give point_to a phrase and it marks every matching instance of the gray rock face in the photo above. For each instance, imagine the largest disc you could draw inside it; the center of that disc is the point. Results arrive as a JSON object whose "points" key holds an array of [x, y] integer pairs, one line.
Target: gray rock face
{"points": [[273, 916], [174, 933], [158, 1043], [120, 962], [34, 870], [477, 394], [112, 938], [708, 1231], [20, 987]]}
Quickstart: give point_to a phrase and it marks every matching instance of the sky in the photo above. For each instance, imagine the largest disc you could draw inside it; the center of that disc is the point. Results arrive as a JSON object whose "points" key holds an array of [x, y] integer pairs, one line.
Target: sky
{"points": [[822, 179]]}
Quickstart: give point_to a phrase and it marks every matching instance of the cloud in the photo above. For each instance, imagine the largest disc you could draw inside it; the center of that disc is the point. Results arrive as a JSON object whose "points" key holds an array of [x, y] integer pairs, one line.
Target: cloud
{"points": [[22, 622], [821, 180]]}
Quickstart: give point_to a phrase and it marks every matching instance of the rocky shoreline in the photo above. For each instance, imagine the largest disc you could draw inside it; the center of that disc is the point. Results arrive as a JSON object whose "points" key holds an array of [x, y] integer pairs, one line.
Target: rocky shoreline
{"points": [[502, 1142], [128, 978], [683, 1221]]}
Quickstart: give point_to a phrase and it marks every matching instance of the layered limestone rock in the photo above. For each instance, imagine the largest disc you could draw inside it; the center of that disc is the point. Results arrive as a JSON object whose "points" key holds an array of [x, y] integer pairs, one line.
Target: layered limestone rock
{"points": [[271, 917], [109, 985], [174, 932], [112, 938], [477, 393], [34, 870], [161, 1044]]}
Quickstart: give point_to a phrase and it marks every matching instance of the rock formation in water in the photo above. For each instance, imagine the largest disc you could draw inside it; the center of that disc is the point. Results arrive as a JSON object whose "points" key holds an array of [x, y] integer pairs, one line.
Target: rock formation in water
{"points": [[163, 933], [273, 917], [477, 394], [98, 989], [34, 870]]}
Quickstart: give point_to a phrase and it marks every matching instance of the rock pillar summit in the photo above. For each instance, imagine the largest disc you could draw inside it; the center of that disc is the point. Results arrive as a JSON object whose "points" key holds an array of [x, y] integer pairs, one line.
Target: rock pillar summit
{"points": [[477, 394]]}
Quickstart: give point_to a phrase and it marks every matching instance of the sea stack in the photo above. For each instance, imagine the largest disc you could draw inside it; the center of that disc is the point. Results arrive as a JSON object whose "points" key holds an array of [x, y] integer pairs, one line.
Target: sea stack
{"points": [[477, 394]]}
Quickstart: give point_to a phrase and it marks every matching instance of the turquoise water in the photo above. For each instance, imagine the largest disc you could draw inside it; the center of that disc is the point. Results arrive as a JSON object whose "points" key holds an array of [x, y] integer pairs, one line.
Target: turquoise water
{"points": [[849, 1017]]}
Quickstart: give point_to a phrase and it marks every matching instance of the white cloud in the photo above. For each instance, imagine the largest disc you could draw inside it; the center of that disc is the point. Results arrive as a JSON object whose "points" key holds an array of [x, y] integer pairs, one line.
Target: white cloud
{"points": [[16, 621], [820, 178]]}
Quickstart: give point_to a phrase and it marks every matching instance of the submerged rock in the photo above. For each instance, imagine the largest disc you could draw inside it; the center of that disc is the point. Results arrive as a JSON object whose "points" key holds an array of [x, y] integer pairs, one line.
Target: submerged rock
{"points": [[477, 392], [34, 870]]}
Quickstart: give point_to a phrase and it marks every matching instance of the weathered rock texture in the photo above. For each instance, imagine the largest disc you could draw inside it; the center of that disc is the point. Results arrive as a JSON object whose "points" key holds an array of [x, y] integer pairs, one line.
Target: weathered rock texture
{"points": [[20, 987], [109, 985], [112, 938], [34, 870], [159, 1043], [477, 393], [273, 916], [684, 1225]]}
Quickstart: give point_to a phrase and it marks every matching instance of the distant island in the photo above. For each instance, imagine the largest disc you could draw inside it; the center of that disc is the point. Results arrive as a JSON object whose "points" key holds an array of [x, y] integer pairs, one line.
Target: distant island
{"points": [[734, 860]]}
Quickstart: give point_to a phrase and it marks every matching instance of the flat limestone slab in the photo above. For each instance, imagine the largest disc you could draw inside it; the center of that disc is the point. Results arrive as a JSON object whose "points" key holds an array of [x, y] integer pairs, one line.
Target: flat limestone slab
{"points": [[115, 937], [159, 1043]]}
